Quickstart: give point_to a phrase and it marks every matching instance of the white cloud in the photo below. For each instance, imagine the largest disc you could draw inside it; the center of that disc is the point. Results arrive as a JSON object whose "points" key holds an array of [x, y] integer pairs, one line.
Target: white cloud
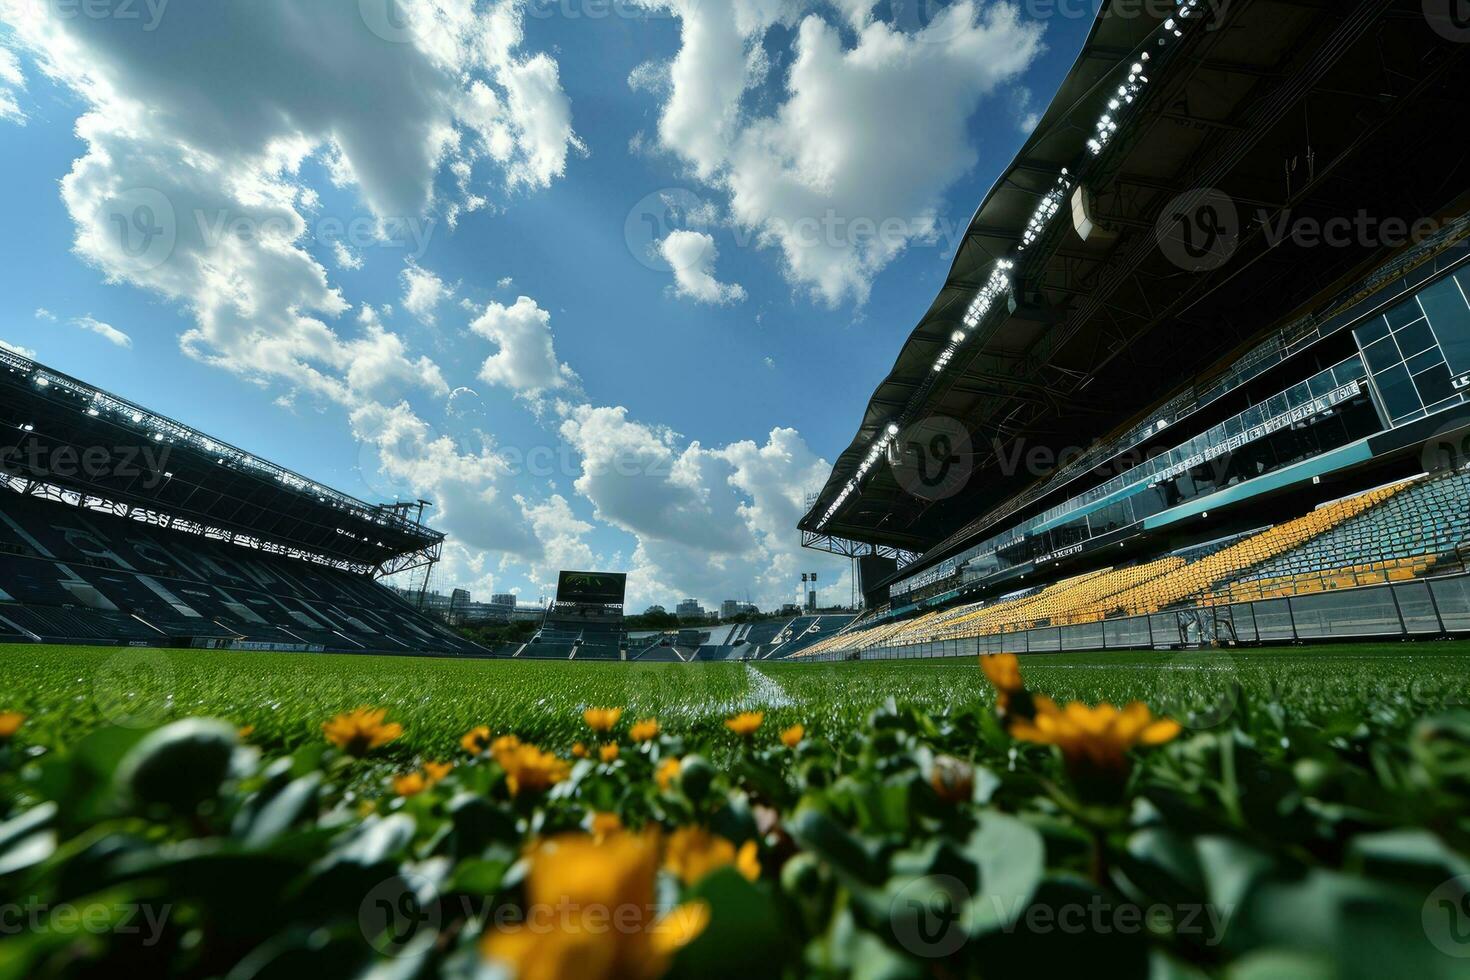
{"points": [[346, 258], [11, 82], [691, 255], [526, 362], [106, 331], [18, 349], [191, 184], [423, 292], [504, 283], [44, 314], [651, 76], [850, 167], [711, 523], [561, 535], [463, 481]]}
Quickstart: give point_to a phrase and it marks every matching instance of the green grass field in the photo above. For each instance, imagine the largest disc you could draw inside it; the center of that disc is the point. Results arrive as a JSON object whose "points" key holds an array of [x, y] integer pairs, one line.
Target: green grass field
{"points": [[1311, 804], [69, 691]]}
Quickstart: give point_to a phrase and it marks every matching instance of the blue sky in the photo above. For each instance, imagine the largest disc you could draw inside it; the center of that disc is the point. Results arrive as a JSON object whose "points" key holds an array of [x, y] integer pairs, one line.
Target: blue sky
{"points": [[608, 282]]}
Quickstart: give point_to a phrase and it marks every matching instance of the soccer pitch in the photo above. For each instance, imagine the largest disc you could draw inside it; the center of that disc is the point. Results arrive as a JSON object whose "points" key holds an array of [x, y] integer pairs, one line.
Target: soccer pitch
{"points": [[68, 691]]}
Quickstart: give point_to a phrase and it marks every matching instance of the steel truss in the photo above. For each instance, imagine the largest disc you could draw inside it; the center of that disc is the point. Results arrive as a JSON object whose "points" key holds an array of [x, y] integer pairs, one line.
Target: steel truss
{"points": [[854, 549]]}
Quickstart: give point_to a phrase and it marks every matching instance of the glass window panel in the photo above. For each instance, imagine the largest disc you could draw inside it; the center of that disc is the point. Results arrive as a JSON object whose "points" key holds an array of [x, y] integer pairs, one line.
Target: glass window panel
{"points": [[1322, 384], [1405, 312], [1374, 329], [1425, 361], [1416, 337], [1450, 318], [1382, 355], [1434, 385], [1399, 398], [1350, 370]]}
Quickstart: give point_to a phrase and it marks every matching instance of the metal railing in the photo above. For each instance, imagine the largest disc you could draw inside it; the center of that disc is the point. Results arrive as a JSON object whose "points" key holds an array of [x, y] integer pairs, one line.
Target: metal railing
{"points": [[1433, 606]]}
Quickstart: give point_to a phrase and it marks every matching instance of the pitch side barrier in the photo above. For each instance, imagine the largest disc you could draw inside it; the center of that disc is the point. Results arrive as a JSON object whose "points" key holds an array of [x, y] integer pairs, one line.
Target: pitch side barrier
{"points": [[1423, 608]]}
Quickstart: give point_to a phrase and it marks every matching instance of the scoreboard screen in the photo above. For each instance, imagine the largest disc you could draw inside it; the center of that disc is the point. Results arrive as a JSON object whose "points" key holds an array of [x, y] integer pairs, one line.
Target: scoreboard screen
{"points": [[592, 588]]}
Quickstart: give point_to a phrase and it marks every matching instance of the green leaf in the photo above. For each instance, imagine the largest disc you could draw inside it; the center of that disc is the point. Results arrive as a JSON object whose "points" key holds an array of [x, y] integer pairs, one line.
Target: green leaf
{"points": [[1012, 859]]}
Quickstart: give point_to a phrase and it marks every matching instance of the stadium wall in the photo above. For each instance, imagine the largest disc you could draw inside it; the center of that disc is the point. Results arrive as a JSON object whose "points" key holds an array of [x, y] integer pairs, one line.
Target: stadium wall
{"points": [[1427, 608]]}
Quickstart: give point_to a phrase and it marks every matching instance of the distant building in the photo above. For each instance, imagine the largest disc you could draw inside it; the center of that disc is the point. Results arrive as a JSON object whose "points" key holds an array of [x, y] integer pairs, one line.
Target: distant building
{"points": [[689, 609], [503, 599], [790, 609], [730, 608]]}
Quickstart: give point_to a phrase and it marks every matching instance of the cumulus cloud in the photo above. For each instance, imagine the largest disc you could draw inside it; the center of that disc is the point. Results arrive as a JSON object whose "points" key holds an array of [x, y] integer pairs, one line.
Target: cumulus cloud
{"points": [[526, 362], [196, 134], [423, 292], [465, 482], [709, 522], [11, 82], [562, 538], [18, 349], [44, 314], [691, 255], [106, 331], [849, 167]]}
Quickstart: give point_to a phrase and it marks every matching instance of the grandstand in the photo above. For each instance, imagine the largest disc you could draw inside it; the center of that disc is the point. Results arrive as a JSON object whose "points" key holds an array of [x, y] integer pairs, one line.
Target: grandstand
{"points": [[1190, 420], [121, 526], [585, 622]]}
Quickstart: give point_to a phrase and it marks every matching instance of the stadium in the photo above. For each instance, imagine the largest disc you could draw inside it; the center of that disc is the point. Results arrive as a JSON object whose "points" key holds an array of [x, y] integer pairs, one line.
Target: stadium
{"points": [[1158, 530]]}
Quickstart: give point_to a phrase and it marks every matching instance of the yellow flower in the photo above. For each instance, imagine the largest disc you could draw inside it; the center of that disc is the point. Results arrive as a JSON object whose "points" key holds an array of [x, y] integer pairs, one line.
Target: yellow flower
{"points": [[667, 772], [409, 784], [244, 732], [694, 852], [1002, 670], [503, 747], [528, 768], [792, 736], [10, 722], [360, 731], [604, 824], [745, 723], [602, 719], [953, 779], [476, 740], [643, 731], [608, 752], [1094, 741], [437, 770], [600, 882], [579, 751]]}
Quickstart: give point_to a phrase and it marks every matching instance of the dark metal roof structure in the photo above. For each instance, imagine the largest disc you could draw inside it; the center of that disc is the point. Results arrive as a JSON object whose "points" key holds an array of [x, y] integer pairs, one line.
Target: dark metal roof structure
{"points": [[72, 442], [1290, 110]]}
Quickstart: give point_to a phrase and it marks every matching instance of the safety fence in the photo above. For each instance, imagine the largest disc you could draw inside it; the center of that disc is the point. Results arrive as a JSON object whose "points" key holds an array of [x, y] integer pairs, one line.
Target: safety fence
{"points": [[1437, 606]]}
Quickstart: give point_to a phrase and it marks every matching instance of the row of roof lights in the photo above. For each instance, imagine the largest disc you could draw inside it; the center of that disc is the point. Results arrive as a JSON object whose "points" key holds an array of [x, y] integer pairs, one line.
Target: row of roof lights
{"points": [[1129, 91], [1000, 273], [1046, 209]]}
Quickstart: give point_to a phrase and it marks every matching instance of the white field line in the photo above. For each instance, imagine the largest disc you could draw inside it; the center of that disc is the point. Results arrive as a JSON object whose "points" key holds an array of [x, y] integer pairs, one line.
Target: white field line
{"points": [[764, 691]]}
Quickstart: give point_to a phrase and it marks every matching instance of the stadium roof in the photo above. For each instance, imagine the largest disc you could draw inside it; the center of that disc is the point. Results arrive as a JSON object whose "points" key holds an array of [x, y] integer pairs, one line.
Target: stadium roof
{"points": [[71, 441], [1040, 338]]}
